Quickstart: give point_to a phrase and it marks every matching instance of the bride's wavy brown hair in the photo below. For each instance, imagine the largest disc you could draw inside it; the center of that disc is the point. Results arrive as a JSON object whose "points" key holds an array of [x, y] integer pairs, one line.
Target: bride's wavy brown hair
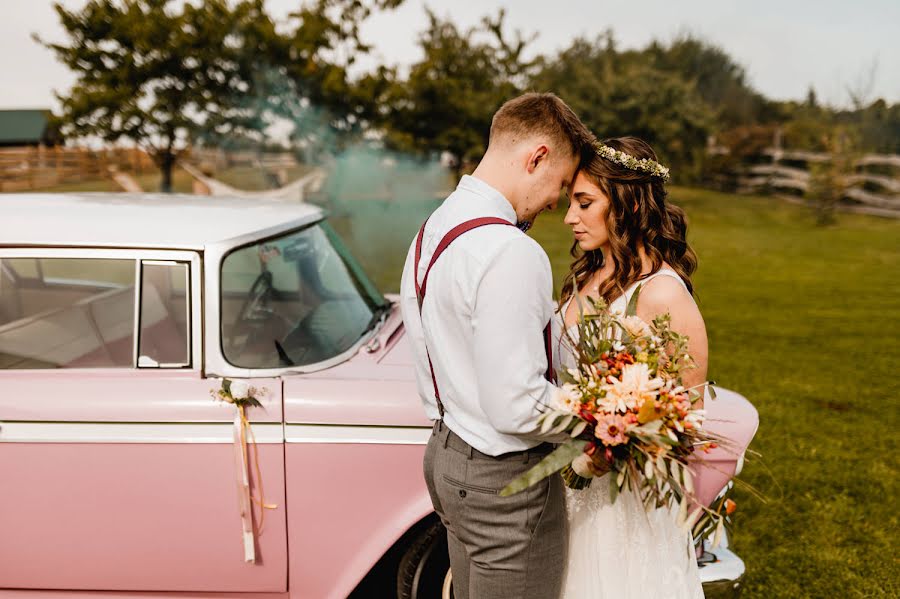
{"points": [[638, 213]]}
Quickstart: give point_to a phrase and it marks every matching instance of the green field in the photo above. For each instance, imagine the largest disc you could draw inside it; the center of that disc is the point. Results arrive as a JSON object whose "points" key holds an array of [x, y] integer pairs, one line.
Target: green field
{"points": [[805, 322]]}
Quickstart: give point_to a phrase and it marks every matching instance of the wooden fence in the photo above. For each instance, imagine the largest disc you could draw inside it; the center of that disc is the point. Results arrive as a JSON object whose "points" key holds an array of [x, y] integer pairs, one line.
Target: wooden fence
{"points": [[25, 169], [218, 159], [787, 173]]}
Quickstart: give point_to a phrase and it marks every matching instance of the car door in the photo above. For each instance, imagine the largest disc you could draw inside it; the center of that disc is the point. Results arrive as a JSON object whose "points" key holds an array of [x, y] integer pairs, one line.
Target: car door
{"points": [[117, 466]]}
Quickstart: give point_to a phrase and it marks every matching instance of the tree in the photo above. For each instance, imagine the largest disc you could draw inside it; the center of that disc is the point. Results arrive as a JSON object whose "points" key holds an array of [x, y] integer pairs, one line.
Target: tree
{"points": [[152, 74], [448, 99], [305, 89], [719, 81], [164, 73], [621, 93], [829, 181]]}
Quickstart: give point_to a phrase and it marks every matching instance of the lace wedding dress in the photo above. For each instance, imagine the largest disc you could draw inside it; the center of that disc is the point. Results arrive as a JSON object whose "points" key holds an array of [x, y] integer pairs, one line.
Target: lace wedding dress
{"points": [[618, 550]]}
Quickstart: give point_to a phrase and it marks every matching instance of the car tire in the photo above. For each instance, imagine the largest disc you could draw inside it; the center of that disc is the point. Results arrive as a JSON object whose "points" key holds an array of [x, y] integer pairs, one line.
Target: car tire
{"points": [[424, 571]]}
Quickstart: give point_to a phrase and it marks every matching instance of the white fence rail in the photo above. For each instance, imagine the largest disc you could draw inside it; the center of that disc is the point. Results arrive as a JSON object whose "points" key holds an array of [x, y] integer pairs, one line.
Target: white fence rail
{"points": [[866, 192]]}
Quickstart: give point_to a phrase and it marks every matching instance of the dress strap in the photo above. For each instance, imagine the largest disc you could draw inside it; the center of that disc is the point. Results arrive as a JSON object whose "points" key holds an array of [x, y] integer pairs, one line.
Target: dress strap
{"points": [[665, 272]]}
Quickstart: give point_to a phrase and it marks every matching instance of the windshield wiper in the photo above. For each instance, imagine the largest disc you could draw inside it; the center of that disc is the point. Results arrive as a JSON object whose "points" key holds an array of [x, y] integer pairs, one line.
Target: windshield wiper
{"points": [[378, 316]]}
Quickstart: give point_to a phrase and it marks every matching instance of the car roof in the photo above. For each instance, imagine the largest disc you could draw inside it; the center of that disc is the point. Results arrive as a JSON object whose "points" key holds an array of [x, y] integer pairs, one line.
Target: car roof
{"points": [[143, 220]]}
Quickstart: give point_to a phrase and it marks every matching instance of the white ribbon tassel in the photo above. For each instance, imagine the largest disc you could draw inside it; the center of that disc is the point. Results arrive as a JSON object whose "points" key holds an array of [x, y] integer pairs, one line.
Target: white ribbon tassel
{"points": [[243, 481]]}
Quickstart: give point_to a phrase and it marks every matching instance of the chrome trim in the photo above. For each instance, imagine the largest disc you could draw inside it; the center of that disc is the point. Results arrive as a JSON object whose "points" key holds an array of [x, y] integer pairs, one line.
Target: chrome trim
{"points": [[133, 432], [188, 302], [377, 435], [85, 252], [188, 315], [138, 290]]}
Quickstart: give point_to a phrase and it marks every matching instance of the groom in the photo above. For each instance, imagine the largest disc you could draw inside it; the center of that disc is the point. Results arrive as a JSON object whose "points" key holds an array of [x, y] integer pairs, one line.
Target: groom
{"points": [[476, 302]]}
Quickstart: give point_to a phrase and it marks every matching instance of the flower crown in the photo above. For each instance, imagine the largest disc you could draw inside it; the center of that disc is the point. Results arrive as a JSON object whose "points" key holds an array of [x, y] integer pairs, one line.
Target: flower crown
{"points": [[646, 165]]}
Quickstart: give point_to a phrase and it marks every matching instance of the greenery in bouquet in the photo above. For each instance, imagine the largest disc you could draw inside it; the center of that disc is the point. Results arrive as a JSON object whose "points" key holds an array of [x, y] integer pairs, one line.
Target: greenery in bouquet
{"points": [[626, 400]]}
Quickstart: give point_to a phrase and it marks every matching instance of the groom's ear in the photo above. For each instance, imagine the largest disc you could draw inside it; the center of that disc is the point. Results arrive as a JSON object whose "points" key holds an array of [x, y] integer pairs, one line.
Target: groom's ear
{"points": [[537, 156]]}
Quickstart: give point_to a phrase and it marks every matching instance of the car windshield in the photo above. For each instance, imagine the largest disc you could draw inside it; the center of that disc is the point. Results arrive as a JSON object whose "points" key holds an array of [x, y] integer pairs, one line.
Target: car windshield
{"points": [[295, 300]]}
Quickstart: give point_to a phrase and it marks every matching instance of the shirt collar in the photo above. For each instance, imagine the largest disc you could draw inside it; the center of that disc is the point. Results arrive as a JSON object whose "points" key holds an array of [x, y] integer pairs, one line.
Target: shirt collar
{"points": [[498, 205]]}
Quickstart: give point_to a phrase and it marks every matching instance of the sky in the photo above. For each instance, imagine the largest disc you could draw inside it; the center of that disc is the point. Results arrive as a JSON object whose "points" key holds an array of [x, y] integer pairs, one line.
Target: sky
{"points": [[785, 46]]}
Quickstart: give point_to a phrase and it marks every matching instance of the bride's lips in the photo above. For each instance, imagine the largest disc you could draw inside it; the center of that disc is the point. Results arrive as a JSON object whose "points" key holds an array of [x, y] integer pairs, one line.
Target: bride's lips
{"points": [[578, 234]]}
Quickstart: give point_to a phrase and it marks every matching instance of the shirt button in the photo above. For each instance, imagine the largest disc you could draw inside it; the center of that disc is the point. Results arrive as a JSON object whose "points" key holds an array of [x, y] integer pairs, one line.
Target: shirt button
{"points": [[462, 493]]}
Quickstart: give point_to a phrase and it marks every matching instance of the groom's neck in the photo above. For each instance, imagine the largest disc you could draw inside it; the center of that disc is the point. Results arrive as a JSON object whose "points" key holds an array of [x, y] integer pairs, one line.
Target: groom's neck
{"points": [[499, 172]]}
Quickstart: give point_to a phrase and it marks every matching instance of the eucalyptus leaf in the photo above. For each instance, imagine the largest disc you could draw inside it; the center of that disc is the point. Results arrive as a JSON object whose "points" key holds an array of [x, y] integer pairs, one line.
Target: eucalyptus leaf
{"points": [[661, 463], [631, 310], [613, 489], [579, 428], [688, 478], [553, 463], [565, 422], [647, 429], [720, 530], [548, 422], [692, 519]]}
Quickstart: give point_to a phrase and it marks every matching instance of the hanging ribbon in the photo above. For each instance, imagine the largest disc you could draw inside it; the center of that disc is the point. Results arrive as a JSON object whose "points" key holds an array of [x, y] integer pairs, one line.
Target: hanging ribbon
{"points": [[242, 432]]}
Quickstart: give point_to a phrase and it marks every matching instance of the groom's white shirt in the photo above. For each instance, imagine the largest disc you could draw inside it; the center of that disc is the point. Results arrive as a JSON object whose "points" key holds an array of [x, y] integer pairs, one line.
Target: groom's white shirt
{"points": [[489, 299]]}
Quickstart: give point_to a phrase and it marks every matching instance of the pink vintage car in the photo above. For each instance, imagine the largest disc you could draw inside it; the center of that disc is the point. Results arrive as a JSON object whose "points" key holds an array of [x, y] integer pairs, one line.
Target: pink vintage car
{"points": [[119, 314]]}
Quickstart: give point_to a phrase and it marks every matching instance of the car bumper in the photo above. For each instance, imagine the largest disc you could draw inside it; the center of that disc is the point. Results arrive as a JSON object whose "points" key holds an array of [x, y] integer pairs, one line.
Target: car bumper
{"points": [[722, 576]]}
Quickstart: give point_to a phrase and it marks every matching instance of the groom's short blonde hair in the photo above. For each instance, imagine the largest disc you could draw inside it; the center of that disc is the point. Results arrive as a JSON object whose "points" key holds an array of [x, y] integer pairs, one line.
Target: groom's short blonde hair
{"points": [[540, 114]]}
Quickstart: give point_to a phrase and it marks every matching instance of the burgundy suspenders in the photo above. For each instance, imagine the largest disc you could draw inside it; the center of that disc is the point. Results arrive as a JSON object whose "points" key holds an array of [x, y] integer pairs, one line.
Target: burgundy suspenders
{"points": [[449, 238]]}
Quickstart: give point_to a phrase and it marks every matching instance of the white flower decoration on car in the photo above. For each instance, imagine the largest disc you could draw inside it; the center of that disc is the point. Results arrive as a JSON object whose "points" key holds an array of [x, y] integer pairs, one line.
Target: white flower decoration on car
{"points": [[240, 390]]}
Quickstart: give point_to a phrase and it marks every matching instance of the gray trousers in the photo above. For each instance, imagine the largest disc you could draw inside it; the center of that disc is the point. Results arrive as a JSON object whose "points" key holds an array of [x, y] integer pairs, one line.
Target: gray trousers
{"points": [[500, 547]]}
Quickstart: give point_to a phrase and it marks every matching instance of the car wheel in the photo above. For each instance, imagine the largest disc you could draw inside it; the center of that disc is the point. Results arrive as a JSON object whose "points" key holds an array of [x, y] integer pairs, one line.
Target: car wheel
{"points": [[424, 571]]}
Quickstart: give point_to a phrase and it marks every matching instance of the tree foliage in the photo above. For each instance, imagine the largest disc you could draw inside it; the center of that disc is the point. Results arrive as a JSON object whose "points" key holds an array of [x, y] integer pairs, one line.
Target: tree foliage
{"points": [[153, 74], [164, 73], [621, 93], [447, 100], [167, 74]]}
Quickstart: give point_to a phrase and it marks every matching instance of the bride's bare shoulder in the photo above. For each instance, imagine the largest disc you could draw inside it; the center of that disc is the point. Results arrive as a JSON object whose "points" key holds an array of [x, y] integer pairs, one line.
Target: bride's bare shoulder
{"points": [[664, 293]]}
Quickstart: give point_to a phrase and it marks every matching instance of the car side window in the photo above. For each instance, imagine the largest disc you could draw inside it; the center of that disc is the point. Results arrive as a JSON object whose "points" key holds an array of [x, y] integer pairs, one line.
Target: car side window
{"points": [[164, 340], [66, 313]]}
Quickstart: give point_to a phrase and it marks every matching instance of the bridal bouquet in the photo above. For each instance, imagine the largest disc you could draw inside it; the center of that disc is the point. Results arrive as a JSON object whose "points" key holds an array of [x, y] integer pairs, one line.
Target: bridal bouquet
{"points": [[626, 400]]}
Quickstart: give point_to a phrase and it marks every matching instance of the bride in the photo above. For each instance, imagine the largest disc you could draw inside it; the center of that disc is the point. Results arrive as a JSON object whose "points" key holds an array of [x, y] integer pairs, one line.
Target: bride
{"points": [[626, 235]]}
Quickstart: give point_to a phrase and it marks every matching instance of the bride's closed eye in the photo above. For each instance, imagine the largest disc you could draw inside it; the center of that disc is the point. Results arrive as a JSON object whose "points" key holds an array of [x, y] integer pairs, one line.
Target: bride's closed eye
{"points": [[583, 204]]}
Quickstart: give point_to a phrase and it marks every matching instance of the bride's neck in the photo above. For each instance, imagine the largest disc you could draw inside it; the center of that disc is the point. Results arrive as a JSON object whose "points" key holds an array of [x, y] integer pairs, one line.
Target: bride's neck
{"points": [[609, 267]]}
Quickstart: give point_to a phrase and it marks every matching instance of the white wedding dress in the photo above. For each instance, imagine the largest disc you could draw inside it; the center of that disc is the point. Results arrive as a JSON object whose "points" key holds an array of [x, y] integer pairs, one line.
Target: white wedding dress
{"points": [[618, 550]]}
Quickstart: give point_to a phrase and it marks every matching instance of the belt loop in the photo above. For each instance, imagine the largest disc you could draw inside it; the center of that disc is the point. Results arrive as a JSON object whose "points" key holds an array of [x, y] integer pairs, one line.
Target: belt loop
{"points": [[471, 452], [446, 437], [526, 456]]}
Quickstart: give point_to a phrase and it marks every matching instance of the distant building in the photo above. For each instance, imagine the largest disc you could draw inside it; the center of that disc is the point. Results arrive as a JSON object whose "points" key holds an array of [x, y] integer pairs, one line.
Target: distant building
{"points": [[28, 128]]}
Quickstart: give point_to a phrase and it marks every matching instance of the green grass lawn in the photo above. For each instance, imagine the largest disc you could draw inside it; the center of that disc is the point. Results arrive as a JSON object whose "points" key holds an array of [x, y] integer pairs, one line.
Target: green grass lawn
{"points": [[805, 322]]}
